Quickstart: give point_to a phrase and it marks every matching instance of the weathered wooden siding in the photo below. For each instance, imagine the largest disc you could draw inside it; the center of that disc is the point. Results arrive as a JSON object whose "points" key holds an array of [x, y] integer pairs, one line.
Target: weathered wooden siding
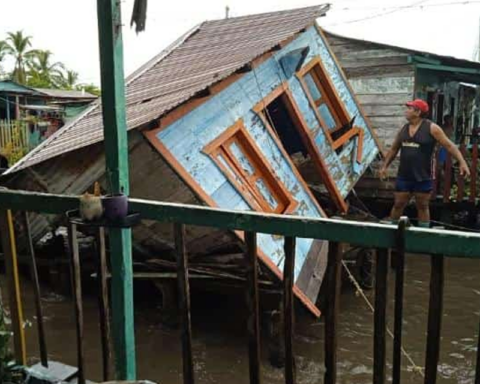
{"points": [[383, 80], [150, 177], [186, 137]]}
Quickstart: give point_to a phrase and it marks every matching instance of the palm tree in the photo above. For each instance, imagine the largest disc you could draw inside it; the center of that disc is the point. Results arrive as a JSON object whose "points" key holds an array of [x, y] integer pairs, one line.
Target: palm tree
{"points": [[68, 80], [17, 46], [42, 72], [3, 52]]}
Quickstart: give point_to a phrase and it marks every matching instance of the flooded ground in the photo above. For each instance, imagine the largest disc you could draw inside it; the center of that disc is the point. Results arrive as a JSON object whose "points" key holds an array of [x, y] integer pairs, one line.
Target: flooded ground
{"points": [[220, 342]]}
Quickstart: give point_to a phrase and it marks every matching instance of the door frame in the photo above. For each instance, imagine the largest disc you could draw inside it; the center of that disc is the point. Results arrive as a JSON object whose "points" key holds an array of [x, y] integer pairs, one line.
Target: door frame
{"points": [[284, 91]]}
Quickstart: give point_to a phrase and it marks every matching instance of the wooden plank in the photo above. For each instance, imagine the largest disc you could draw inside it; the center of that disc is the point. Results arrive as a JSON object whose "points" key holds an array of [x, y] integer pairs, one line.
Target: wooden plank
{"points": [[288, 307], [461, 178], [372, 235], [473, 173], [7, 234], [334, 279], [253, 323], [447, 184], [42, 345], [116, 159], [398, 311], [184, 296], [477, 363], [103, 302], [435, 313], [76, 278], [380, 321]]}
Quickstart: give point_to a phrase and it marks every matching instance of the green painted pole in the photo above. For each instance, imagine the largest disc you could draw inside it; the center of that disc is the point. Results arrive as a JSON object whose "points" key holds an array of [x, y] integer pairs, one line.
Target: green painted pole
{"points": [[116, 154]]}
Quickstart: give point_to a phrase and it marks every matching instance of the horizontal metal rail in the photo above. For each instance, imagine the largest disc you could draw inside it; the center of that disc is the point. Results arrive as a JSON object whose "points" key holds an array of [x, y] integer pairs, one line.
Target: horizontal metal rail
{"points": [[417, 240]]}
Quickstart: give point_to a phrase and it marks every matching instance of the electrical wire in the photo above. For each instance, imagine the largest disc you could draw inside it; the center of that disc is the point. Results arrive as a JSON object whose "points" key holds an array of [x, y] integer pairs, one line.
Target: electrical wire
{"points": [[401, 7], [377, 14]]}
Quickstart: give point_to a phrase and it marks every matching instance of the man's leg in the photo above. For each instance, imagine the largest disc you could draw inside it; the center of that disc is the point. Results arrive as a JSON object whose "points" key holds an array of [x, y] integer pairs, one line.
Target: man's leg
{"points": [[422, 201], [401, 201]]}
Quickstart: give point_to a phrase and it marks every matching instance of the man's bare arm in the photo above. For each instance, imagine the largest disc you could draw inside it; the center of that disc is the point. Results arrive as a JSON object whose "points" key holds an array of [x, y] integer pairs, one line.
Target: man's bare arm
{"points": [[392, 153], [445, 142]]}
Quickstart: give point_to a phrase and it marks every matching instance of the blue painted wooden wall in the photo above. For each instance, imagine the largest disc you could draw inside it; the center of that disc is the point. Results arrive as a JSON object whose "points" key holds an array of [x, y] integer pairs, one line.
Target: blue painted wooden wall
{"points": [[186, 138]]}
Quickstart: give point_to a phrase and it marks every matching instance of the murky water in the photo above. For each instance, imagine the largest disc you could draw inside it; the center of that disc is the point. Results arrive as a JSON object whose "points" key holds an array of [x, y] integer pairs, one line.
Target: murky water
{"points": [[220, 342]]}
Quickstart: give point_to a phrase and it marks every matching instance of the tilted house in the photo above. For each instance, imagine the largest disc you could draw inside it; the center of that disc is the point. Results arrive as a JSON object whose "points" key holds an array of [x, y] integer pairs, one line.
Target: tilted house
{"points": [[223, 117]]}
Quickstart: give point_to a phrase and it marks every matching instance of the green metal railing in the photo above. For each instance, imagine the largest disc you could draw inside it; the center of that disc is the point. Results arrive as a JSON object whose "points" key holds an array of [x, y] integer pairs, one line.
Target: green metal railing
{"points": [[437, 244]]}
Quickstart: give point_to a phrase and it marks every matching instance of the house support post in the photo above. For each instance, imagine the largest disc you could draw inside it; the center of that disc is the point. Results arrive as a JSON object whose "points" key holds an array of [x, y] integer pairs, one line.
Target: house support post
{"points": [[116, 154]]}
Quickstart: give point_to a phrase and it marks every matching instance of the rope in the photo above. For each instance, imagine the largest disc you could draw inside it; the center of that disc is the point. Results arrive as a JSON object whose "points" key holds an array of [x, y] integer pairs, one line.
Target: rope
{"points": [[359, 292]]}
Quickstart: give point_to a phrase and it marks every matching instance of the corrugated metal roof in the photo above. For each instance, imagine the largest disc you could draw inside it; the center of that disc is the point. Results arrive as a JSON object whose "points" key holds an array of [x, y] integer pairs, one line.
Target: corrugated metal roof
{"points": [[66, 94], [447, 60], [9, 86], [207, 54]]}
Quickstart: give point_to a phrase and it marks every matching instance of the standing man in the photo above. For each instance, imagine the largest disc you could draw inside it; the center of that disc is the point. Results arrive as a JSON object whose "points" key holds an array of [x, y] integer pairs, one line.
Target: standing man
{"points": [[416, 142]]}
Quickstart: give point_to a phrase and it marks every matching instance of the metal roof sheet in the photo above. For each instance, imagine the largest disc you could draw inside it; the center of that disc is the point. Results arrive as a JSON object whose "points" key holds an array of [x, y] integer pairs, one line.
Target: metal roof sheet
{"points": [[65, 93], [203, 56]]}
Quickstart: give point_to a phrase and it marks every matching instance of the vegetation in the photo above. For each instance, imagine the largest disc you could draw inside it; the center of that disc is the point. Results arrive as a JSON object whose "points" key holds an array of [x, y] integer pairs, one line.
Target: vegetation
{"points": [[36, 67], [9, 373]]}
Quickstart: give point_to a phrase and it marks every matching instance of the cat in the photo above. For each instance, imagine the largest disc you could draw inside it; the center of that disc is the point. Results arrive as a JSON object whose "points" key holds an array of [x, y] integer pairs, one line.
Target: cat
{"points": [[91, 205]]}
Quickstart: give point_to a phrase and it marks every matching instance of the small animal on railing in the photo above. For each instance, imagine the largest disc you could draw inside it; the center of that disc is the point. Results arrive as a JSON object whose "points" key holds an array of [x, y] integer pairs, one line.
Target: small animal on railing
{"points": [[91, 205]]}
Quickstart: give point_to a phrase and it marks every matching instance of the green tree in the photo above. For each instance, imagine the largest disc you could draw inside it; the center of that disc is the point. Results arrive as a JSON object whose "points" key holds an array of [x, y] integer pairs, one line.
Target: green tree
{"points": [[43, 73], [90, 88], [68, 80], [18, 46], [3, 53]]}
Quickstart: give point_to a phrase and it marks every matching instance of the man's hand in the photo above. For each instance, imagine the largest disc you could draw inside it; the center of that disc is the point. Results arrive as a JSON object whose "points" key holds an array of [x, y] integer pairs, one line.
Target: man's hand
{"points": [[464, 170], [383, 173]]}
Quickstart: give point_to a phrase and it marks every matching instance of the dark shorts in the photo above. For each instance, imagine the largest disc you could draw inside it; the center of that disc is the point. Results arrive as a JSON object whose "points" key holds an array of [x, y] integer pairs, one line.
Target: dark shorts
{"points": [[407, 185]]}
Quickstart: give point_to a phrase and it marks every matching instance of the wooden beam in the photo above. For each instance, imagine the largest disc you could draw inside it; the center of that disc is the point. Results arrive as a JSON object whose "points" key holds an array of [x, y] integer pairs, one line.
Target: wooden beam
{"points": [[253, 306], [116, 155], [7, 234], [288, 308], [380, 321], [333, 284], [372, 235]]}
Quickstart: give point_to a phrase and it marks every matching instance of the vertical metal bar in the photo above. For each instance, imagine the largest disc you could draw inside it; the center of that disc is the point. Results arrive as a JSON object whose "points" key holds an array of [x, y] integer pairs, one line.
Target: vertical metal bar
{"points": [[334, 273], [288, 280], [76, 278], [477, 370], [435, 313], [380, 324], [37, 294], [103, 302], [184, 293], [116, 156], [7, 234], [253, 325], [398, 315]]}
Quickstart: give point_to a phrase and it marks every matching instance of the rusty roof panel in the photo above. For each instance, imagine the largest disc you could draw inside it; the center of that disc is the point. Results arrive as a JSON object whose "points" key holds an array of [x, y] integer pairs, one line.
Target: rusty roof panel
{"points": [[203, 56]]}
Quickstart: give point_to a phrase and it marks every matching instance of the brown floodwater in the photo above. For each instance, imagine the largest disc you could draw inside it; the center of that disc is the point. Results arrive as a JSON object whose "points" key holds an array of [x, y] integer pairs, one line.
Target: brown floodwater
{"points": [[219, 338]]}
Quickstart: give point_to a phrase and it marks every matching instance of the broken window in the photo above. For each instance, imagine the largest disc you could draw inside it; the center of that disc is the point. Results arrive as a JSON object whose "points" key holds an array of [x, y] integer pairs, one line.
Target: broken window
{"points": [[242, 162], [329, 109]]}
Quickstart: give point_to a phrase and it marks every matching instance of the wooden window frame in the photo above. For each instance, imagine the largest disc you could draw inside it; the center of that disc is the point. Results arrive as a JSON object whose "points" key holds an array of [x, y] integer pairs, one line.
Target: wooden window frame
{"points": [[307, 137], [331, 98], [219, 147]]}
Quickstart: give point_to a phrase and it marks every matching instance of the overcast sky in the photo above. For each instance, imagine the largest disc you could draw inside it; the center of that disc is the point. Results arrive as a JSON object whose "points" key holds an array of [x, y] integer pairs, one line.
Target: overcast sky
{"points": [[68, 28]]}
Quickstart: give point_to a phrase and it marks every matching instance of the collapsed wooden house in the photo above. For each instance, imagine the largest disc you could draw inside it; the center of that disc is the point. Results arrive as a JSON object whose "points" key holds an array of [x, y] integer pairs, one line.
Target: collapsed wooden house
{"points": [[384, 77], [228, 116]]}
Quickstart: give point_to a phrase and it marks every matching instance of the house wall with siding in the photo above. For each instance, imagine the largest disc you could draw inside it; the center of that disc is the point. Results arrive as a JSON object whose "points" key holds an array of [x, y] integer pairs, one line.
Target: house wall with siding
{"points": [[186, 138]]}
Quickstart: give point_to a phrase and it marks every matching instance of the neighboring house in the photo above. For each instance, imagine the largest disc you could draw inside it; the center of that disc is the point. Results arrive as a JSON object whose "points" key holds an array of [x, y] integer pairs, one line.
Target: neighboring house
{"points": [[384, 77], [30, 115], [226, 116]]}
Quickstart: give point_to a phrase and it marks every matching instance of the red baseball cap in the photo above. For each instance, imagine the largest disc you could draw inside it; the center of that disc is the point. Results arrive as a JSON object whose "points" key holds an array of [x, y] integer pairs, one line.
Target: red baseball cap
{"points": [[419, 104]]}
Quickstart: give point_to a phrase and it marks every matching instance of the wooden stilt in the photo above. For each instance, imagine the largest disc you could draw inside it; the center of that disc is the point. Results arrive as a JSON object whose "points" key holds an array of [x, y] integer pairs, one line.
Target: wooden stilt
{"points": [[7, 234]]}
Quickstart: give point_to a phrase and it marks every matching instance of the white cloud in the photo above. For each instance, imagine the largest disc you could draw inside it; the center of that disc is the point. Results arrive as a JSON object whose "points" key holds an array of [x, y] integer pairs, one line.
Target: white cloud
{"points": [[69, 27]]}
